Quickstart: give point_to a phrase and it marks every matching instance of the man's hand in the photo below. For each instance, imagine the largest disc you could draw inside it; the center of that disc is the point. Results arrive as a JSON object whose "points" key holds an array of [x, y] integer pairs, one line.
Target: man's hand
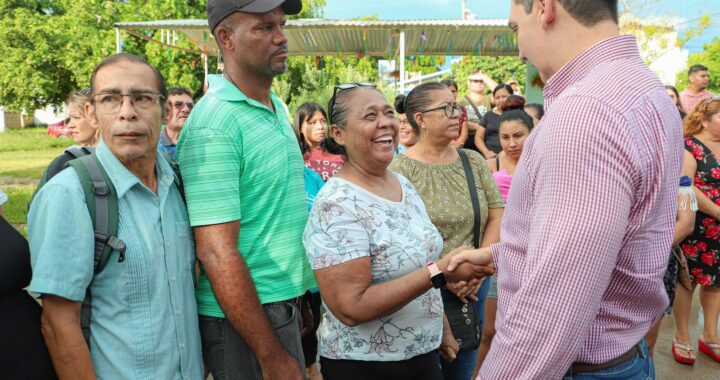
{"points": [[306, 316], [281, 366], [478, 257]]}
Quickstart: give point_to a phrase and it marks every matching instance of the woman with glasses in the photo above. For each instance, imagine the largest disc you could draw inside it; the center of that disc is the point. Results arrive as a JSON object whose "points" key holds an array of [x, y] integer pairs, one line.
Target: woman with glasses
{"points": [[486, 137], [311, 120], [437, 171], [702, 247], [460, 141], [408, 137], [375, 252]]}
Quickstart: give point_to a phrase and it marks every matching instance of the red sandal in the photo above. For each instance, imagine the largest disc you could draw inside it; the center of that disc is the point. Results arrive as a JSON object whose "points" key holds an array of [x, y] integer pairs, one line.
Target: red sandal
{"points": [[685, 347], [707, 349]]}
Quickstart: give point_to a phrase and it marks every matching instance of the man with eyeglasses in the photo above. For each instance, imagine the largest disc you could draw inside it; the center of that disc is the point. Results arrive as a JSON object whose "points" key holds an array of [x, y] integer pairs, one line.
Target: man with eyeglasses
{"points": [[243, 176], [143, 315], [181, 103]]}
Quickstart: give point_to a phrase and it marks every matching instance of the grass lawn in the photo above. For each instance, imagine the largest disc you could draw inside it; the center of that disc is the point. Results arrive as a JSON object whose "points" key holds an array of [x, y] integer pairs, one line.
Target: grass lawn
{"points": [[30, 139], [24, 155], [26, 164]]}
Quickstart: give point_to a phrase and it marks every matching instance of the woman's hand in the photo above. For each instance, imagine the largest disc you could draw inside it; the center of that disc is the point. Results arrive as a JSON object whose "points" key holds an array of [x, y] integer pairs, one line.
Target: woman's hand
{"points": [[465, 266], [448, 346], [465, 291], [489, 154]]}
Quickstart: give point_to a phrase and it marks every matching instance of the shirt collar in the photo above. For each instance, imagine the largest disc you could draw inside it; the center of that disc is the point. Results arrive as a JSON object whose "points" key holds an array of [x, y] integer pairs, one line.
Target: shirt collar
{"points": [[223, 89], [123, 179], [611, 49], [165, 139]]}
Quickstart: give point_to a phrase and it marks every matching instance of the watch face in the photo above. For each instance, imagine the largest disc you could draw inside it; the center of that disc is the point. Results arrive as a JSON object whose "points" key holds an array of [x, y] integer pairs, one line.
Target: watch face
{"points": [[438, 280]]}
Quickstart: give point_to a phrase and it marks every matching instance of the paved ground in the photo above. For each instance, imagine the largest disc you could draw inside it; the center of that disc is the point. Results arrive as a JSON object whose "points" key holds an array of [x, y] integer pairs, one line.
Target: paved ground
{"points": [[667, 368]]}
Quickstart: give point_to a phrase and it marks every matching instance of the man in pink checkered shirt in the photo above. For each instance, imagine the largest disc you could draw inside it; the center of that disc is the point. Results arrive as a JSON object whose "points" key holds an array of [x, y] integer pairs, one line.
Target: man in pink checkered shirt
{"points": [[588, 226]]}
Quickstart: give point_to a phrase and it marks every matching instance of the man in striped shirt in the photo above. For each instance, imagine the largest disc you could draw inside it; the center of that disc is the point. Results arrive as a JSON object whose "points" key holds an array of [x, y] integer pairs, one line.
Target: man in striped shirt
{"points": [[588, 225]]}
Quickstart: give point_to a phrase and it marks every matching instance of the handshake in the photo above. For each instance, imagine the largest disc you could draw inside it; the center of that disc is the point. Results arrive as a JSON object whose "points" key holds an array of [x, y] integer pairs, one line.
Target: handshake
{"points": [[464, 267]]}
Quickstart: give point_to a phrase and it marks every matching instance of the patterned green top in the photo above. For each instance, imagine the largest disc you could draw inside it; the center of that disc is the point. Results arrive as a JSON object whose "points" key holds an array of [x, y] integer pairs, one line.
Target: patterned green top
{"points": [[241, 161], [444, 190]]}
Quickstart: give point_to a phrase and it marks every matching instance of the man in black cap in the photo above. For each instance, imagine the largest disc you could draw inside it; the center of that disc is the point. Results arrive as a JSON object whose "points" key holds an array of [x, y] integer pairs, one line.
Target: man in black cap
{"points": [[243, 176]]}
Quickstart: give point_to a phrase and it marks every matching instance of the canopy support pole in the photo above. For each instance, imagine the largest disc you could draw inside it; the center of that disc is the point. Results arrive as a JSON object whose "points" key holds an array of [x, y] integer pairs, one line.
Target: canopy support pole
{"points": [[205, 67], [118, 41], [402, 62]]}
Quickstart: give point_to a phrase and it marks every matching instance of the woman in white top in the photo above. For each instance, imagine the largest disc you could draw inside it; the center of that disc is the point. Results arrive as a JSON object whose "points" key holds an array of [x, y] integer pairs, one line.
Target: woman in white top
{"points": [[373, 246]]}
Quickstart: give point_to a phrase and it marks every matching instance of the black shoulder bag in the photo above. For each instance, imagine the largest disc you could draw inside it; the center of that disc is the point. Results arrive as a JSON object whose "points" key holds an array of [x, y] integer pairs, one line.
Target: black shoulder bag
{"points": [[463, 318]]}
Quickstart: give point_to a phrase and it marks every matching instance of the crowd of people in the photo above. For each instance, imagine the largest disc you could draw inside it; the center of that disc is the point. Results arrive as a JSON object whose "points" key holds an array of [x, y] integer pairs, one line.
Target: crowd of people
{"points": [[439, 237]]}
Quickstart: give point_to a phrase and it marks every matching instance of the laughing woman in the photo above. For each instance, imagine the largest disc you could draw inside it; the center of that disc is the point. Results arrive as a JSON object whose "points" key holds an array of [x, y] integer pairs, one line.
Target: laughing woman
{"points": [[375, 253]]}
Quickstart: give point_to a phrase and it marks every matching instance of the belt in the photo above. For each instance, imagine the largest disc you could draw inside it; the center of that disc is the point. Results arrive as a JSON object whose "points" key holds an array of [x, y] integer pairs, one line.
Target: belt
{"points": [[587, 367]]}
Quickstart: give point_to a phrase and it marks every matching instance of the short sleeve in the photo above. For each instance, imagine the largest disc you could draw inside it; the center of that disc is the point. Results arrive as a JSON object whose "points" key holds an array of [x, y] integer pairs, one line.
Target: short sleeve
{"points": [[487, 182], [335, 232], [484, 120], [211, 166], [3, 197], [61, 239]]}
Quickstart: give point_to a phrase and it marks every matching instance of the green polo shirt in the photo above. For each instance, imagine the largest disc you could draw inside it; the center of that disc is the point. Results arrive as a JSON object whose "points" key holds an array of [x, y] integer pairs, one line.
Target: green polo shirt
{"points": [[241, 161]]}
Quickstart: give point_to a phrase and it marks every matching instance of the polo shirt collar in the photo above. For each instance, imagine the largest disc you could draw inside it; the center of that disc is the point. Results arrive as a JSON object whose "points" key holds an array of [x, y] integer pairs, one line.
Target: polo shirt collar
{"points": [[123, 179], [223, 89], [611, 49]]}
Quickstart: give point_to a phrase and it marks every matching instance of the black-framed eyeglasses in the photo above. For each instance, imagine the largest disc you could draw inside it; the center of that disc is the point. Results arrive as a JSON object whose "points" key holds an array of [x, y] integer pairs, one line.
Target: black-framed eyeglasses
{"points": [[341, 87], [111, 102], [179, 105], [448, 108]]}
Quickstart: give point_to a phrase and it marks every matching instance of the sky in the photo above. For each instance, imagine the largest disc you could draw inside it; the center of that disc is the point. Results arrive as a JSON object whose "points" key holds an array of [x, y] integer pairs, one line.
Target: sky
{"points": [[685, 11]]}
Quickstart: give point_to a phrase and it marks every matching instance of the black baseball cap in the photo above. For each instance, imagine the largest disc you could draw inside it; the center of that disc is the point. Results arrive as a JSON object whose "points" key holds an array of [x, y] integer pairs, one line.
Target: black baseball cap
{"points": [[217, 10]]}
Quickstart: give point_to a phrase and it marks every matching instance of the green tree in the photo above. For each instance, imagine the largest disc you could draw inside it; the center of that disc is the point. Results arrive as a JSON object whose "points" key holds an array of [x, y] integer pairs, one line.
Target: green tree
{"points": [[50, 47], [501, 69], [709, 57]]}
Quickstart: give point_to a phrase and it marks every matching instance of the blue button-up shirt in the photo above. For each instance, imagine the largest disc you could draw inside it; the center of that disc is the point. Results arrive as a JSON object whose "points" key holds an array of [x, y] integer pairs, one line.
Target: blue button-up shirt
{"points": [[166, 145], [144, 316]]}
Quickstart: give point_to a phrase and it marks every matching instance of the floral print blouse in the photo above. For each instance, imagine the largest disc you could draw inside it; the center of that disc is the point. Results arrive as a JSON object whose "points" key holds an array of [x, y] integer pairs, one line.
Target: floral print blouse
{"points": [[348, 222]]}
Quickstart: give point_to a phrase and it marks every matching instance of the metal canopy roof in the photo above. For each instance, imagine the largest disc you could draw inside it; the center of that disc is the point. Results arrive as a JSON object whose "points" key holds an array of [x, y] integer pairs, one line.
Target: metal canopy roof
{"points": [[373, 38]]}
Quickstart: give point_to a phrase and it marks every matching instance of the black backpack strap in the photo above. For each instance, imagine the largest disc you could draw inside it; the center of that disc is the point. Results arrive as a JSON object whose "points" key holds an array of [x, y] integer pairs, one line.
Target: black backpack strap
{"points": [[473, 196], [58, 164], [102, 203], [77, 151]]}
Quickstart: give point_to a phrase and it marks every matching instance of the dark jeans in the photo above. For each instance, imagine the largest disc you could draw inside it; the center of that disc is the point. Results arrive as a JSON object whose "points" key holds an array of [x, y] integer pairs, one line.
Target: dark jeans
{"points": [[310, 341], [422, 367], [228, 356], [639, 367]]}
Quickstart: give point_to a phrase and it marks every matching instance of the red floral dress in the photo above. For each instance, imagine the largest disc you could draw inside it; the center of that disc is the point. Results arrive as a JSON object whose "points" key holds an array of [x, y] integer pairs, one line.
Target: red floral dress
{"points": [[702, 247]]}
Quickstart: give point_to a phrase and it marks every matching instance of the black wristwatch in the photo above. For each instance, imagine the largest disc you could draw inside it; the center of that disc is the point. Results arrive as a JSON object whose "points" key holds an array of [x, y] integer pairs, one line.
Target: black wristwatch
{"points": [[436, 276]]}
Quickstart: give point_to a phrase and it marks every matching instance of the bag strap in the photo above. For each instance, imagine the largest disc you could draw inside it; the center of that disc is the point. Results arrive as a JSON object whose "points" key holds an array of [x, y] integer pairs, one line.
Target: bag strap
{"points": [[472, 104], [473, 196], [102, 202], [77, 151]]}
